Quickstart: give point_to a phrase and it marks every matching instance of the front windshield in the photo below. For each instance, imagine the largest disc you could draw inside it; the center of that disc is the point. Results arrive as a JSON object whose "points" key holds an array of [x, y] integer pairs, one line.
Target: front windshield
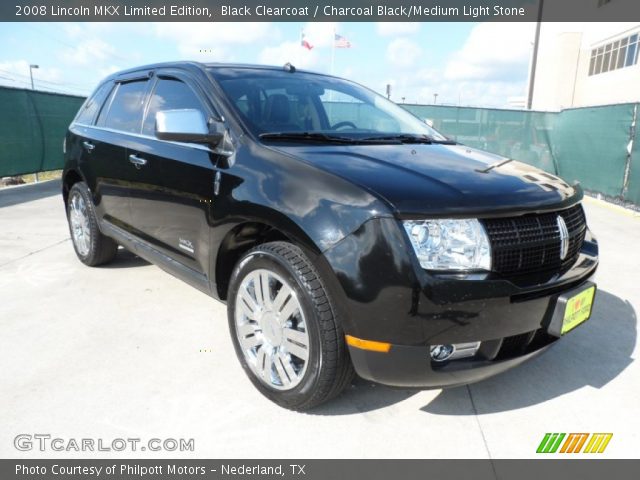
{"points": [[276, 102]]}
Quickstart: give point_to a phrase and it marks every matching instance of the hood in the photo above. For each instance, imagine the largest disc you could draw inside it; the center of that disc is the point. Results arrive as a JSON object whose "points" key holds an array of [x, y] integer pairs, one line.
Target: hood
{"points": [[440, 180]]}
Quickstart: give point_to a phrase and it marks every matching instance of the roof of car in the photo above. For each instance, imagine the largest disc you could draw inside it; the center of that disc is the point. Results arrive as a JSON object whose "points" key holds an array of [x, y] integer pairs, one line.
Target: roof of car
{"points": [[196, 66]]}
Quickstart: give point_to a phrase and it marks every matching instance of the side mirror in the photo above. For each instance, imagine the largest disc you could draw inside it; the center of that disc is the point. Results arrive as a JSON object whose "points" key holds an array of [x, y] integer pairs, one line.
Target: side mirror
{"points": [[186, 125]]}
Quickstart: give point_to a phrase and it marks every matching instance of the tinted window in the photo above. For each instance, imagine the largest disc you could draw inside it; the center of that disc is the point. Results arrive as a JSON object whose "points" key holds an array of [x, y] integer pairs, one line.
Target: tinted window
{"points": [[276, 101], [125, 112], [169, 94], [92, 106], [341, 107]]}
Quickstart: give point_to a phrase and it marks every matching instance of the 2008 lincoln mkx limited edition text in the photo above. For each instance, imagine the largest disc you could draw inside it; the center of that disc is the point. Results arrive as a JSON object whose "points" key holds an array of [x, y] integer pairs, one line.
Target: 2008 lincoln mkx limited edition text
{"points": [[345, 234]]}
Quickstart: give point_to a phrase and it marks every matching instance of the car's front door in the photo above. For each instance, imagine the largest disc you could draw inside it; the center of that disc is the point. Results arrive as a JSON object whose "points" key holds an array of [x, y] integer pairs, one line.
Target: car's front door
{"points": [[173, 189]]}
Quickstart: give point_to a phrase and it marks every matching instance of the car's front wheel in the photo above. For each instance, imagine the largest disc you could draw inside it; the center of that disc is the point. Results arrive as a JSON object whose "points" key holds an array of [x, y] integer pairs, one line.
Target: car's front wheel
{"points": [[91, 246], [284, 328]]}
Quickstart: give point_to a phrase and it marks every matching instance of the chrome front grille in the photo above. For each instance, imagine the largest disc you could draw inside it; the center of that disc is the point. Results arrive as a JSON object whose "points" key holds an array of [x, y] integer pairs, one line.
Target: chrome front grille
{"points": [[532, 243]]}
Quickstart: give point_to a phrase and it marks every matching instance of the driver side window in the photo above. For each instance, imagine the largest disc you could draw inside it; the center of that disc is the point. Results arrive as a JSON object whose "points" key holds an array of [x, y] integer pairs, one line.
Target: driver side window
{"points": [[169, 94]]}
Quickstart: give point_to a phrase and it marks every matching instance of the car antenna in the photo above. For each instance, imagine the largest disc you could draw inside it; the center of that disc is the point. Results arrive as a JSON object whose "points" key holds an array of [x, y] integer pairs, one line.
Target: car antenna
{"points": [[289, 68]]}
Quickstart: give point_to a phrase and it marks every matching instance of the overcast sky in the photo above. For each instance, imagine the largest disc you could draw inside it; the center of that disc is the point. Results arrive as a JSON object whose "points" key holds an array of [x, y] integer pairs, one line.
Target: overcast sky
{"points": [[482, 64]]}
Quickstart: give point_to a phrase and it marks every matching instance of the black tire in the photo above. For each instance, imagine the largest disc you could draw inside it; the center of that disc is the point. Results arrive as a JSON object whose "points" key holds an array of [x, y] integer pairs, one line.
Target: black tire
{"points": [[329, 370], [101, 249]]}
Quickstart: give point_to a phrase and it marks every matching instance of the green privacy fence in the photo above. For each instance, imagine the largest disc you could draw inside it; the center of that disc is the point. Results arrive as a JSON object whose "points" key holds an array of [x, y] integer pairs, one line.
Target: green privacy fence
{"points": [[597, 146], [590, 145], [32, 127]]}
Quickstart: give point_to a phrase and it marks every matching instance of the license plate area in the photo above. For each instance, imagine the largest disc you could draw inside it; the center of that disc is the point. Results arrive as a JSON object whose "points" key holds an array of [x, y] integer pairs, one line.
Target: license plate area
{"points": [[573, 308]]}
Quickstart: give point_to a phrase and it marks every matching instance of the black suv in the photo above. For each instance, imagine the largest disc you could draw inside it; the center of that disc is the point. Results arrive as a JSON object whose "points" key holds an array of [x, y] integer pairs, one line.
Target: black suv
{"points": [[343, 232]]}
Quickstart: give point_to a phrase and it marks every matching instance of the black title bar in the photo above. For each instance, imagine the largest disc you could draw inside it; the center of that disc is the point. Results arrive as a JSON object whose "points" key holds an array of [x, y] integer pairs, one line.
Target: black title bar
{"points": [[114, 469], [318, 10]]}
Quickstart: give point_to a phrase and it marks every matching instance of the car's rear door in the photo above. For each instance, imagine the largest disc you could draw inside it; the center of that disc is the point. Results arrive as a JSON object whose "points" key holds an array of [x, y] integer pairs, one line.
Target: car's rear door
{"points": [[98, 157], [117, 124], [173, 188]]}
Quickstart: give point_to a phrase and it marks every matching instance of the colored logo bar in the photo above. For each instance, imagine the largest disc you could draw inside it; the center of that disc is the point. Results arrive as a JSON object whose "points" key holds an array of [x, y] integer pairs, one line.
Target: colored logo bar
{"points": [[574, 442]]}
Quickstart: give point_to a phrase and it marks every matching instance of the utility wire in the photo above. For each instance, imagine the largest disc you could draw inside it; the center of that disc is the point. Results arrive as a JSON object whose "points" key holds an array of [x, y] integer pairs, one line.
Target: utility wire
{"points": [[46, 81], [48, 85], [62, 42], [44, 88]]}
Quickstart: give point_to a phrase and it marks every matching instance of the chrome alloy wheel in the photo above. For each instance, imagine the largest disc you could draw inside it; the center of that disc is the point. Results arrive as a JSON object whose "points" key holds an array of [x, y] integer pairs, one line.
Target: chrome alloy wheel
{"points": [[271, 329], [79, 219]]}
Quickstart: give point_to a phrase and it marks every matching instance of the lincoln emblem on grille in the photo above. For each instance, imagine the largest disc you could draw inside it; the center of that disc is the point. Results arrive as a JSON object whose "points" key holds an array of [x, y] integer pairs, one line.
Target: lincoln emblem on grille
{"points": [[564, 238]]}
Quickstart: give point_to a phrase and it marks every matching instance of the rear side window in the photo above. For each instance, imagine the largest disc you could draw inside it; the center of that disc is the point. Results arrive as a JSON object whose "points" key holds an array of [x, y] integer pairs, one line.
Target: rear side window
{"points": [[169, 94], [125, 111], [91, 107]]}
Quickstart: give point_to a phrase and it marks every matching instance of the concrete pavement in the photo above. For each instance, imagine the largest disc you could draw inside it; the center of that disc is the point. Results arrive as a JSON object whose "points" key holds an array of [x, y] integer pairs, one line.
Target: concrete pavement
{"points": [[128, 351]]}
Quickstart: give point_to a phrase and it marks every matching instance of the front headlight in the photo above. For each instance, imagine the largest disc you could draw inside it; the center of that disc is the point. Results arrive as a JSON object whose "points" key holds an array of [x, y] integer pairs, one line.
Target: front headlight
{"points": [[450, 244]]}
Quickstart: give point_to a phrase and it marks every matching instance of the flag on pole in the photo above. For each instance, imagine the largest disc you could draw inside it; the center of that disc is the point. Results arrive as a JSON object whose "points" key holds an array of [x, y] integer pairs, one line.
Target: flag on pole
{"points": [[340, 42], [304, 42]]}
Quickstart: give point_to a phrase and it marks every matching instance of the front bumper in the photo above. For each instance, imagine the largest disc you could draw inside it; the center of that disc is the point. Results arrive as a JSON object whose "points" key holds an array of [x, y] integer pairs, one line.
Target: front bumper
{"points": [[411, 367], [383, 295]]}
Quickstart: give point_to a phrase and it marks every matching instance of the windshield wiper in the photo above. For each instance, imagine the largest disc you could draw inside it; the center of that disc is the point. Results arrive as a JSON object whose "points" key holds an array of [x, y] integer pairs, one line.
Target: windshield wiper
{"points": [[326, 138], [411, 138], [307, 136]]}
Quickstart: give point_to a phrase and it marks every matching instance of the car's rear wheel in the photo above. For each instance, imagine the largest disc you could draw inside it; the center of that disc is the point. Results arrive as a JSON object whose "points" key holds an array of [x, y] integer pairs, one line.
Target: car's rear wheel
{"points": [[91, 246], [284, 328]]}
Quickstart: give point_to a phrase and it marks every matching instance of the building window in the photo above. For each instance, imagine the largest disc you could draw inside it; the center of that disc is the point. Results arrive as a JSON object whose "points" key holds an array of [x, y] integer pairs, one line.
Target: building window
{"points": [[615, 55]]}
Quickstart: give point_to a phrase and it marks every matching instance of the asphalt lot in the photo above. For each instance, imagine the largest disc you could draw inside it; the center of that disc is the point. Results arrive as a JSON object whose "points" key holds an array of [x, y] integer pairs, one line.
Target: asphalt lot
{"points": [[127, 351]]}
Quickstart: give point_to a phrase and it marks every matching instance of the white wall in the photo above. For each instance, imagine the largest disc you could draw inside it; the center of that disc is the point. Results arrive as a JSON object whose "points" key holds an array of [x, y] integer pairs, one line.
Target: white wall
{"points": [[562, 75]]}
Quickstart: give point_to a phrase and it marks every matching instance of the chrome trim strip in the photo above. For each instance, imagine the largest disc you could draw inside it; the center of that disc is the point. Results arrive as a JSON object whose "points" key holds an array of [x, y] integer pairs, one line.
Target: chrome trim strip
{"points": [[463, 350], [147, 137], [564, 237]]}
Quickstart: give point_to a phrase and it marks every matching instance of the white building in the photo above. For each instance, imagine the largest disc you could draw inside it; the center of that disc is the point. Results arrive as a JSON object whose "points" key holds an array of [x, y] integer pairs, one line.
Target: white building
{"points": [[586, 64]]}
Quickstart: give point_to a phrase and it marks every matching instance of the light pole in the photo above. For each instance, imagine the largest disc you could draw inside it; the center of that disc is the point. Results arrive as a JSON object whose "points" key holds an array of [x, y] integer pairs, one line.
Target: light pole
{"points": [[31, 67], [534, 58]]}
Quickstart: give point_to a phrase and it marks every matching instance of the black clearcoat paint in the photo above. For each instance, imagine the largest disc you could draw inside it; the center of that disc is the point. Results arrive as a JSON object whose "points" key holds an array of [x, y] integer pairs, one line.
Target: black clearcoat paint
{"points": [[344, 205]]}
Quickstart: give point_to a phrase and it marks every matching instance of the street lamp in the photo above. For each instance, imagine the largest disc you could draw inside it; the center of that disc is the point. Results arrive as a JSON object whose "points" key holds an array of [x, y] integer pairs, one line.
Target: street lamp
{"points": [[31, 67], [534, 57]]}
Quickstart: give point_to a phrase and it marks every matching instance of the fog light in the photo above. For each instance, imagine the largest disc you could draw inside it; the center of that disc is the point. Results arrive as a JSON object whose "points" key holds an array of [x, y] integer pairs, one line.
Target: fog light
{"points": [[440, 353]]}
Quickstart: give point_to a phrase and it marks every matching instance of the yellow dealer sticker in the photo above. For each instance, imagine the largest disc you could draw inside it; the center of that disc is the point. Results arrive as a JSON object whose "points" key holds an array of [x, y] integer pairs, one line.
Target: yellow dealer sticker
{"points": [[578, 309]]}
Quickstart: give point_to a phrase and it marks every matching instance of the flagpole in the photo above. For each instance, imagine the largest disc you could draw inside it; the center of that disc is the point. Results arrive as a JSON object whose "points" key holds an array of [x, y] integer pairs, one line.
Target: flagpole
{"points": [[300, 52], [333, 59], [333, 50]]}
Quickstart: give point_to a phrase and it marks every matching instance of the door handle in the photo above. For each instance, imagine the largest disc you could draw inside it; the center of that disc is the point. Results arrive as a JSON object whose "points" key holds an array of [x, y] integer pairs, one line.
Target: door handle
{"points": [[88, 146], [137, 161]]}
